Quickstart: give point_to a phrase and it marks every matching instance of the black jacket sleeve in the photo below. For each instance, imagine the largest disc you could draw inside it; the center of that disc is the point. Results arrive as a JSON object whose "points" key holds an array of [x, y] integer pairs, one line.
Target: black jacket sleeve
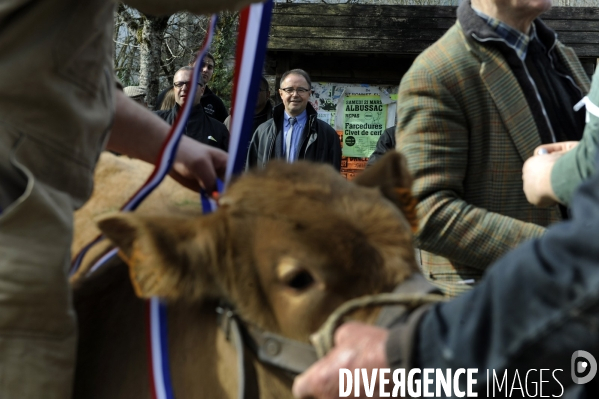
{"points": [[535, 307], [385, 143]]}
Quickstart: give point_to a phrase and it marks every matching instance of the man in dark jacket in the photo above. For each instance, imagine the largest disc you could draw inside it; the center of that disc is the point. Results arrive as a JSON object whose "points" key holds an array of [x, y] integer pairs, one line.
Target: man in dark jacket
{"points": [[385, 143], [199, 126], [213, 105], [536, 309], [295, 132], [263, 107], [466, 142]]}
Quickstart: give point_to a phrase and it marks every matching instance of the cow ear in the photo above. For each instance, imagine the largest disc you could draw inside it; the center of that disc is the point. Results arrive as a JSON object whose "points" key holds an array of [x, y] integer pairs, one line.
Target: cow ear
{"points": [[169, 257], [391, 175]]}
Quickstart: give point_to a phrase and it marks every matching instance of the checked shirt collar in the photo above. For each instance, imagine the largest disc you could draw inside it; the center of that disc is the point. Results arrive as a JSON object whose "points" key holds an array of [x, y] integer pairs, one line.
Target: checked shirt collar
{"points": [[512, 37]]}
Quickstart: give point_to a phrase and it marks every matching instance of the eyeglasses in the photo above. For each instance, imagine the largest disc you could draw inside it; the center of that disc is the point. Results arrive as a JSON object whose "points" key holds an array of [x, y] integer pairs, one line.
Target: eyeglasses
{"points": [[178, 85], [299, 90]]}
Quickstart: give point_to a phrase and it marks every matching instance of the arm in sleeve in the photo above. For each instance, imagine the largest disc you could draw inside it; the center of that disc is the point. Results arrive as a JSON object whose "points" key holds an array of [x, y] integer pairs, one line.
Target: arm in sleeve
{"points": [[433, 135], [536, 306], [139, 133], [576, 165], [336, 150]]}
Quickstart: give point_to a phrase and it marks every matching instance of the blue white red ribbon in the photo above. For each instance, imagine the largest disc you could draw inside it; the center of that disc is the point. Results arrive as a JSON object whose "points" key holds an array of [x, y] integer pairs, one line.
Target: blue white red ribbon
{"points": [[159, 360], [158, 352], [167, 154], [254, 24], [251, 50], [160, 374]]}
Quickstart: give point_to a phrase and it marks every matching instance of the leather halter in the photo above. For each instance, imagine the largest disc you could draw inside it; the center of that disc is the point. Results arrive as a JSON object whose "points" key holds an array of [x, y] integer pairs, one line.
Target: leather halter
{"points": [[294, 357]]}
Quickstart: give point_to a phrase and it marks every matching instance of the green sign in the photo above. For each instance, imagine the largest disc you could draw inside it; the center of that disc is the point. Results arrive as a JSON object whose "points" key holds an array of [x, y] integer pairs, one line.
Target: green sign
{"points": [[364, 120]]}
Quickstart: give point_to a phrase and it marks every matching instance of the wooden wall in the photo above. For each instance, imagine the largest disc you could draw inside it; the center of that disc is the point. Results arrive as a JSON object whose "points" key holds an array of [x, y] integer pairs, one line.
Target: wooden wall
{"points": [[377, 43]]}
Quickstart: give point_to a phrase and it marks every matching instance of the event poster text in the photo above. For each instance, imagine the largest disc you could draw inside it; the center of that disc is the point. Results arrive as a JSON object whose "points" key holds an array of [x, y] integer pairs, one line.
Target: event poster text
{"points": [[365, 117]]}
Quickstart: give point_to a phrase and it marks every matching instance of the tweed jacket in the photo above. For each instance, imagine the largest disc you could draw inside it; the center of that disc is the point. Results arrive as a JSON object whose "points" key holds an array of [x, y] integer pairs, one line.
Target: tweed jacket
{"points": [[466, 129]]}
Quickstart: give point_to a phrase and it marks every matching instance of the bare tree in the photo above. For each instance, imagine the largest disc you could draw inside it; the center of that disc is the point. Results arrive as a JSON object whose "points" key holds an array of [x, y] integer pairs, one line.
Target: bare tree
{"points": [[152, 37], [149, 50]]}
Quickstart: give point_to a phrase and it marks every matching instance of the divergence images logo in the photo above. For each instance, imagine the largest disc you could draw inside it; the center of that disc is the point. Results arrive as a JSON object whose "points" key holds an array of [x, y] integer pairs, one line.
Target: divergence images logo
{"points": [[580, 363]]}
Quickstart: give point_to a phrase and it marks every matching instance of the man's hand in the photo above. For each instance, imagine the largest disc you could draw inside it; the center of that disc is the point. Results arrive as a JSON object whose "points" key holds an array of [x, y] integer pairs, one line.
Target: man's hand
{"points": [[536, 173], [198, 165], [561, 147], [356, 346], [536, 179]]}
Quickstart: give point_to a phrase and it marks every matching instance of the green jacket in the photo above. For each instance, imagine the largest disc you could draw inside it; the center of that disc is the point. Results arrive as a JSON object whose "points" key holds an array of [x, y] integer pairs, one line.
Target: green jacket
{"points": [[466, 129], [579, 164]]}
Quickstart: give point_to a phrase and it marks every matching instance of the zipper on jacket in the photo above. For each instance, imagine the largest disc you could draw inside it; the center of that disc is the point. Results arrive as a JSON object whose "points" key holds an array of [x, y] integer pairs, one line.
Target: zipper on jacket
{"points": [[530, 80], [310, 123], [558, 72], [270, 153]]}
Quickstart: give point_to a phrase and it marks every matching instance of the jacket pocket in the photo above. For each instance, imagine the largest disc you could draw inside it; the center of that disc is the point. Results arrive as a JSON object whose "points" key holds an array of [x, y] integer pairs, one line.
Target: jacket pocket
{"points": [[15, 180]]}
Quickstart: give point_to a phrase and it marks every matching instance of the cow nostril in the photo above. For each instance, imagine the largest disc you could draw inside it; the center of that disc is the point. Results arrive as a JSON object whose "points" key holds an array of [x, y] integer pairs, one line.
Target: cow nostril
{"points": [[301, 280]]}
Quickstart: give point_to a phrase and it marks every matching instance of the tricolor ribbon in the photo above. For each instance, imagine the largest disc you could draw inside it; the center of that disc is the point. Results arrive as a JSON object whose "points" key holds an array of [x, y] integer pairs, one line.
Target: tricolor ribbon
{"points": [[160, 374], [251, 51], [166, 156], [254, 24]]}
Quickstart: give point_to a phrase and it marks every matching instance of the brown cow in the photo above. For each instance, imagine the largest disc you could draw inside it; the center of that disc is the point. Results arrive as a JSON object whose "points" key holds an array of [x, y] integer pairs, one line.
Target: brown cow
{"points": [[287, 246]]}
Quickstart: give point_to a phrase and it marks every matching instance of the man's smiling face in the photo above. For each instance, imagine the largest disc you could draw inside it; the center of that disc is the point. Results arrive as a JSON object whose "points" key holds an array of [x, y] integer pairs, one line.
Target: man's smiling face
{"points": [[295, 102]]}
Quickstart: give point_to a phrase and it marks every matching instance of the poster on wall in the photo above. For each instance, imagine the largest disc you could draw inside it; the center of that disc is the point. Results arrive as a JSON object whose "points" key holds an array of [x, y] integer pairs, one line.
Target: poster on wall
{"points": [[330, 101], [364, 120]]}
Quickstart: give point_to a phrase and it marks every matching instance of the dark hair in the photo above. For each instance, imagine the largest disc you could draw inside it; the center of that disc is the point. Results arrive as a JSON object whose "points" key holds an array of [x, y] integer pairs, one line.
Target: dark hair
{"points": [[300, 72], [188, 68], [195, 55]]}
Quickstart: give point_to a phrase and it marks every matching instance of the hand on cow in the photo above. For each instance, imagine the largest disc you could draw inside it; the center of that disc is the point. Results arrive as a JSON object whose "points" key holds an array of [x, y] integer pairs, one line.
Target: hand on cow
{"points": [[198, 165], [356, 346], [140, 133]]}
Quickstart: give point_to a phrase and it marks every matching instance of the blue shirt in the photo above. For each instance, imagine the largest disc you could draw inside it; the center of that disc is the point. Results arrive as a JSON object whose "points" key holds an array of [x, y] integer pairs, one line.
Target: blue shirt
{"points": [[513, 37], [296, 134]]}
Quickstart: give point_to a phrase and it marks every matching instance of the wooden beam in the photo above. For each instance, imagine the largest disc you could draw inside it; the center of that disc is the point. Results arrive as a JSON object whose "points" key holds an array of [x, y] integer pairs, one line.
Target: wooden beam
{"points": [[408, 30]]}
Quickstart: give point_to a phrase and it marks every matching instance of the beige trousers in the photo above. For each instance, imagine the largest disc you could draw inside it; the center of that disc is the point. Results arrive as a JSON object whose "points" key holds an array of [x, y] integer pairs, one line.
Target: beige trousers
{"points": [[37, 324], [56, 107]]}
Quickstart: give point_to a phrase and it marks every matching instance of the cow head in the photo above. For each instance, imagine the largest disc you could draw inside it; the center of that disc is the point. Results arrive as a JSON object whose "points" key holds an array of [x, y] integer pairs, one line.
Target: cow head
{"points": [[287, 245]]}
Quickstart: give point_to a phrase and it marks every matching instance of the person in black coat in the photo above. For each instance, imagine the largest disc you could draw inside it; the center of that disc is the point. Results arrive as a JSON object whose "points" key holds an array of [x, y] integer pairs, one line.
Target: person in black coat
{"points": [[264, 107], [212, 104], [199, 126], [294, 132], [385, 143]]}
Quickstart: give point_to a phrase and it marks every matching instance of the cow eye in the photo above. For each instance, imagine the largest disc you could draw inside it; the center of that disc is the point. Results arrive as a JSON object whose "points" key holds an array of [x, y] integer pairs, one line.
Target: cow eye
{"points": [[301, 280]]}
